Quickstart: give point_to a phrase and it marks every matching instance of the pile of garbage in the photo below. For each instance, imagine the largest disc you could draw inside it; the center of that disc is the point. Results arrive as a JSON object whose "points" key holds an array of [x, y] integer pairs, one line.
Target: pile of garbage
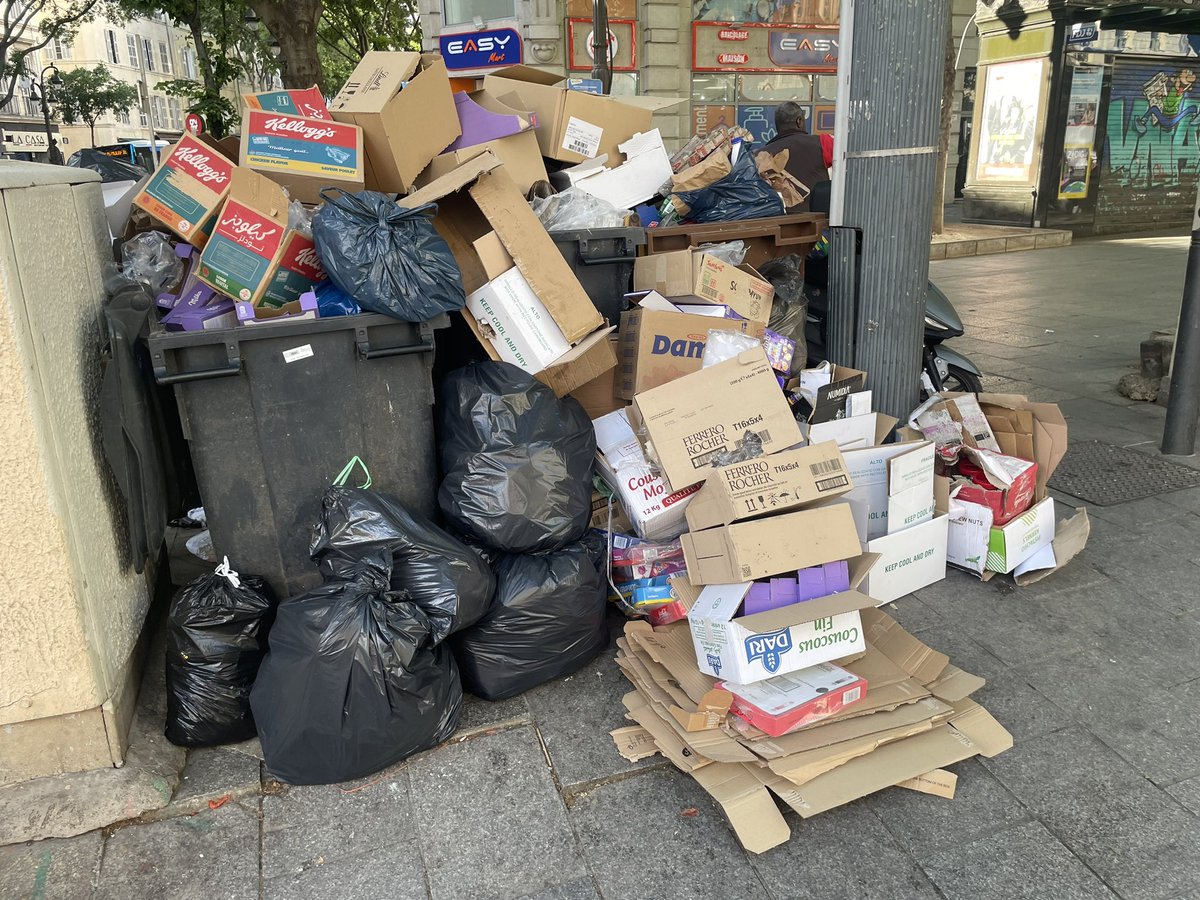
{"points": [[658, 443]]}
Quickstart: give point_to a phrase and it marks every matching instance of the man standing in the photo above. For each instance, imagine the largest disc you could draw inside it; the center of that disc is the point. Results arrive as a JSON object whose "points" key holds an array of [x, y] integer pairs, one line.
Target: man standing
{"points": [[806, 159], [55, 155]]}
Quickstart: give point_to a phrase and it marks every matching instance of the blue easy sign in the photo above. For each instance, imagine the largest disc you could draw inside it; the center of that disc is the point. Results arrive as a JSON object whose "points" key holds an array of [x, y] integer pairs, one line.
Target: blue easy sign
{"points": [[481, 49], [804, 48]]}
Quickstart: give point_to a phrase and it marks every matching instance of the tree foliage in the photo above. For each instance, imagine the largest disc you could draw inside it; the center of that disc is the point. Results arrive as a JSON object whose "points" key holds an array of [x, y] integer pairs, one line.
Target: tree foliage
{"points": [[349, 28], [27, 26], [87, 94]]}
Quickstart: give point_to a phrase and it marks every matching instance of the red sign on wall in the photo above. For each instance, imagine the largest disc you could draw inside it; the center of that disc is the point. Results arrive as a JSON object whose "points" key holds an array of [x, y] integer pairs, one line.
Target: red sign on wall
{"points": [[732, 59], [733, 34]]}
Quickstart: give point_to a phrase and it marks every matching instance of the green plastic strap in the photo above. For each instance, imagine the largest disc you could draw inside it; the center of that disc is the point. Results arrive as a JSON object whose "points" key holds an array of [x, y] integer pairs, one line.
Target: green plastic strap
{"points": [[344, 475]]}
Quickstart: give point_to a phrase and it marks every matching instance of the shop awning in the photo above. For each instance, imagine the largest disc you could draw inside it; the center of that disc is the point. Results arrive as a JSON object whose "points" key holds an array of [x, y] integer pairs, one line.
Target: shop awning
{"points": [[1169, 16]]}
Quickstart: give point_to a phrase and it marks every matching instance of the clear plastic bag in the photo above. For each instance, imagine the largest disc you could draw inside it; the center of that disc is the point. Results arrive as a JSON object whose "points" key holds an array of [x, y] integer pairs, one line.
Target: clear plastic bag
{"points": [[150, 258], [789, 312], [300, 218], [576, 208], [731, 252], [724, 345]]}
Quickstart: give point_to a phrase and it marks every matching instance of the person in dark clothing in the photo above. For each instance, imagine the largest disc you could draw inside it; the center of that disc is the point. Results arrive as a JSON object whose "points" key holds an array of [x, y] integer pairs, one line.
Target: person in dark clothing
{"points": [[806, 159], [55, 155]]}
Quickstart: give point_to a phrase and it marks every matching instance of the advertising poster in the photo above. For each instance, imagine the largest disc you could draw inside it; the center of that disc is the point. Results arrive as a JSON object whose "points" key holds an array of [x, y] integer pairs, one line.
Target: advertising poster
{"points": [[1076, 172], [1008, 121], [1086, 82]]}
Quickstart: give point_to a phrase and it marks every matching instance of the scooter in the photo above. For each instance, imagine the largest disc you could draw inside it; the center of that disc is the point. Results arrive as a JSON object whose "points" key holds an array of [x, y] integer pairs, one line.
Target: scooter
{"points": [[946, 369]]}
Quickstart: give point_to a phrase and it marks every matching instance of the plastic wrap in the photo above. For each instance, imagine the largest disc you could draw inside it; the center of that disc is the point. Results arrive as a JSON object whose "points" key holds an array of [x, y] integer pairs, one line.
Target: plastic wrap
{"points": [[548, 620], [216, 637], [575, 208], [742, 194], [731, 252], [150, 258], [351, 684], [517, 460], [789, 311], [447, 579], [300, 218], [725, 345], [388, 258]]}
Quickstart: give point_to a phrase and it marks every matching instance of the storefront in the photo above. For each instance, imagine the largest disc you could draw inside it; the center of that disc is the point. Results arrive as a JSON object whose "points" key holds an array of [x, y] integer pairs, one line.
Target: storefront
{"points": [[735, 60], [1086, 126], [22, 142]]}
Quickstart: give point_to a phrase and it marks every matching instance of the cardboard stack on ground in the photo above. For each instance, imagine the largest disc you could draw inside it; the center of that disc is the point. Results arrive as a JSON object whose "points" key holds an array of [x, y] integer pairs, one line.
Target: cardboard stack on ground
{"points": [[915, 718]]}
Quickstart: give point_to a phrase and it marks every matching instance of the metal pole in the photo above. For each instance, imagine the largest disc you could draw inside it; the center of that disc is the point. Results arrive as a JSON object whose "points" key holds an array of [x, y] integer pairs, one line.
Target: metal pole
{"points": [[601, 69], [1183, 403], [46, 109]]}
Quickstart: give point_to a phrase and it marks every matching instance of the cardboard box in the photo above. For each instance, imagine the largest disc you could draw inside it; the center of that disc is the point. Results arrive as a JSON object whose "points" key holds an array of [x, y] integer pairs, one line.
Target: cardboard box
{"points": [[1010, 545], [301, 154], [761, 548], [969, 528], [953, 422], [519, 152], [599, 396], [298, 269], [693, 419], [908, 560], [658, 347], [656, 512], [309, 102], [895, 482], [747, 649], [786, 702], [693, 273], [239, 259], [403, 104], [1010, 414], [645, 170], [777, 483], [187, 190], [1012, 483], [826, 393], [853, 432], [479, 198], [571, 125], [510, 315]]}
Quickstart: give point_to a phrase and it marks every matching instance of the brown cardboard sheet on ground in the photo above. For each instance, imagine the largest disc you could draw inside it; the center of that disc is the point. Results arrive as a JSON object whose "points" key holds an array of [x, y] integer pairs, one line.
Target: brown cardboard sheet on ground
{"points": [[939, 782], [954, 684], [921, 662], [659, 684], [634, 742], [747, 804], [970, 732], [1070, 537], [801, 768], [672, 649], [674, 749], [713, 744]]}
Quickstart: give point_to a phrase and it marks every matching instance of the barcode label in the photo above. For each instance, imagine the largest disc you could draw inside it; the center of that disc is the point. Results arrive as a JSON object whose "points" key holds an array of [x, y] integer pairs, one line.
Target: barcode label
{"points": [[826, 467], [852, 695], [582, 137], [699, 462], [832, 484], [765, 436]]}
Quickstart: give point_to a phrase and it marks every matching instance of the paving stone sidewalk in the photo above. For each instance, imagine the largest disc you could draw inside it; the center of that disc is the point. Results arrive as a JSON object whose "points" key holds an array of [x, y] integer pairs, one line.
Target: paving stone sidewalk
{"points": [[1095, 671]]}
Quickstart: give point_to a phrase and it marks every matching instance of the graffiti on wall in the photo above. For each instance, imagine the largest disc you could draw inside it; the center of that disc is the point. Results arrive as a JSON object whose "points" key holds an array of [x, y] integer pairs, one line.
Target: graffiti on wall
{"points": [[1153, 133]]}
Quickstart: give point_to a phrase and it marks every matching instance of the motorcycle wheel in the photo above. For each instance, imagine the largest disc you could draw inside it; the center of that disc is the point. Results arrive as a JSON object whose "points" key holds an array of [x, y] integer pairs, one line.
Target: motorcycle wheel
{"points": [[961, 380]]}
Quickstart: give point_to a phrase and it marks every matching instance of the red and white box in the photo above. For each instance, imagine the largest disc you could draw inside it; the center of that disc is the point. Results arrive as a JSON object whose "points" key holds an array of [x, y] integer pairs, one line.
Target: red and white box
{"points": [[1005, 484], [784, 703]]}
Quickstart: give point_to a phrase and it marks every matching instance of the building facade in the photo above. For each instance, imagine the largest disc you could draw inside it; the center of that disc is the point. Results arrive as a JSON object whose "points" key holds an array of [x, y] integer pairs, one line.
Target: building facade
{"points": [[1087, 115]]}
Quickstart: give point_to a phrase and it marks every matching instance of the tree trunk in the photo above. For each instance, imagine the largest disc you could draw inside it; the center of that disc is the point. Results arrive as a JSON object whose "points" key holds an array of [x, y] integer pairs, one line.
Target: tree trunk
{"points": [[948, 78], [293, 23], [92, 129]]}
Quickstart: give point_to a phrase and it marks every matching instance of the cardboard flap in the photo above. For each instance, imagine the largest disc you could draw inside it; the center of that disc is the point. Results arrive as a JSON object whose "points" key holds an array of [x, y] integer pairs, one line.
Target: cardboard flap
{"points": [[526, 74], [492, 255], [672, 747], [752, 814], [939, 783], [654, 104], [483, 119], [954, 684], [980, 726], [672, 649], [808, 611], [260, 193], [378, 77], [1070, 537], [452, 182], [910, 468], [921, 662]]}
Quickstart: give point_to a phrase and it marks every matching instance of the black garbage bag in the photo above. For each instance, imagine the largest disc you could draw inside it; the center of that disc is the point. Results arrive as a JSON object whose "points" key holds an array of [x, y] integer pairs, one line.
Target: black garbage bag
{"points": [[388, 258], [216, 638], [445, 577], [548, 620], [351, 684], [789, 312], [516, 460], [742, 194]]}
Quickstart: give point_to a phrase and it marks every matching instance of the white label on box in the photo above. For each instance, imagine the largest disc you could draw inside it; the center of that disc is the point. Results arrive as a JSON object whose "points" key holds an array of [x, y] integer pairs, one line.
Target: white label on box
{"points": [[582, 137], [909, 560], [516, 322], [967, 541], [297, 353]]}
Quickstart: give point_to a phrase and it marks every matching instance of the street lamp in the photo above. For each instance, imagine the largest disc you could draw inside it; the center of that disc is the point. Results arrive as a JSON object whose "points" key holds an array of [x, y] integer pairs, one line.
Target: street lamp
{"points": [[55, 81]]}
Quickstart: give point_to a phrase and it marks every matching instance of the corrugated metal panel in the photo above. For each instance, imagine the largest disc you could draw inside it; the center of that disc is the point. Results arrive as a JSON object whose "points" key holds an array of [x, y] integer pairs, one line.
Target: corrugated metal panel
{"points": [[892, 113], [1149, 175]]}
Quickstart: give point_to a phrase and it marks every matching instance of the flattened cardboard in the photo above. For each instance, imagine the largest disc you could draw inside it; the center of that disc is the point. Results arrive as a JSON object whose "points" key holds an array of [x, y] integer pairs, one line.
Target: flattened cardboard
{"points": [[1071, 536], [684, 758], [519, 153], [788, 480], [187, 189], [692, 419], [753, 815], [760, 548], [659, 346], [970, 732], [303, 155], [908, 652], [634, 742], [403, 104], [939, 783]]}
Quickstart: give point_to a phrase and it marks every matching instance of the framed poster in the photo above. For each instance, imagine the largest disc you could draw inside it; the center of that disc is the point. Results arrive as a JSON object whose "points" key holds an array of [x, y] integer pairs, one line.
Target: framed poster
{"points": [[1008, 121], [1076, 172]]}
